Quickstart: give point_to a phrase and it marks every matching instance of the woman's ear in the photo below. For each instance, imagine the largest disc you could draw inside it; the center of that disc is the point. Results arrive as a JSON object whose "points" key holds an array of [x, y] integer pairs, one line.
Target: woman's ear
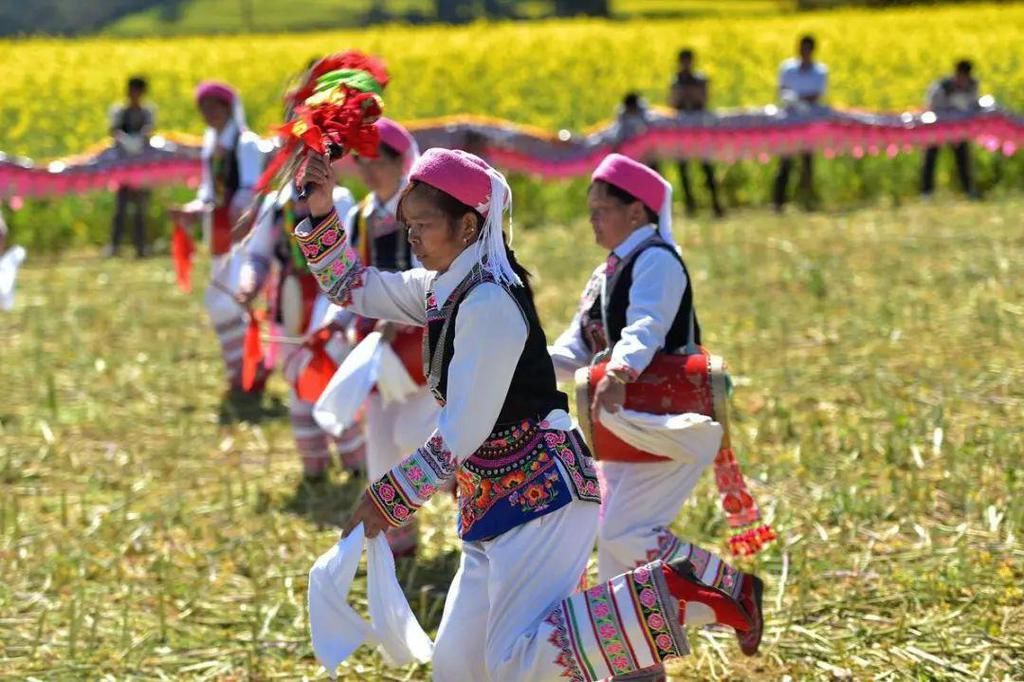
{"points": [[468, 229], [637, 214]]}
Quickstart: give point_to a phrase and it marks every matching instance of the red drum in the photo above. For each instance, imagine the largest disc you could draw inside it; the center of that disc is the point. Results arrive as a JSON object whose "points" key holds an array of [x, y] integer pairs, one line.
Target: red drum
{"points": [[671, 384], [408, 346]]}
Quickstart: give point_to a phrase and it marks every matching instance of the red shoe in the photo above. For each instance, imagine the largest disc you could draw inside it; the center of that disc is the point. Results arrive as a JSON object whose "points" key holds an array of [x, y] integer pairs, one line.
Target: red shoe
{"points": [[684, 585], [750, 599]]}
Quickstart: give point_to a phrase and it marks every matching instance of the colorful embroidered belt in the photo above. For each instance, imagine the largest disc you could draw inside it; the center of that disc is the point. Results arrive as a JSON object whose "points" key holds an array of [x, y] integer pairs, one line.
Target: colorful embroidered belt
{"points": [[520, 473]]}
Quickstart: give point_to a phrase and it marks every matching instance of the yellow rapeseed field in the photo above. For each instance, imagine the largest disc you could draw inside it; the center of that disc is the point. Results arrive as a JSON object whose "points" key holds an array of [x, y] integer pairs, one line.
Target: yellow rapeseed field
{"points": [[55, 93]]}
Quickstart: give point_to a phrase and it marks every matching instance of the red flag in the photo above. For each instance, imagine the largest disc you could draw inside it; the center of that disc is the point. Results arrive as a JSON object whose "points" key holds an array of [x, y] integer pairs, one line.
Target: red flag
{"points": [[317, 374], [252, 353], [182, 249]]}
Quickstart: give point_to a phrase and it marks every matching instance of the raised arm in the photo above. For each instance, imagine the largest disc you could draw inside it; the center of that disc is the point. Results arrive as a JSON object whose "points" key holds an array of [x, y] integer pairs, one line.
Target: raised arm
{"points": [[347, 281]]}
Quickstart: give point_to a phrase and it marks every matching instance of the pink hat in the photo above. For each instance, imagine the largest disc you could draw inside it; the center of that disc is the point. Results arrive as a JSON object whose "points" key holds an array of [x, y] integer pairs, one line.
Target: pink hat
{"points": [[398, 138], [393, 135], [633, 177], [463, 175], [469, 179], [217, 90], [642, 182]]}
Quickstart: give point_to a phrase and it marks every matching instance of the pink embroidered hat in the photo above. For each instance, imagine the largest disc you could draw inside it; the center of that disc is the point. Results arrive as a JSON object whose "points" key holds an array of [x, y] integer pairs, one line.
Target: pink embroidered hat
{"points": [[652, 190], [398, 138], [472, 181], [217, 90], [225, 93], [458, 173]]}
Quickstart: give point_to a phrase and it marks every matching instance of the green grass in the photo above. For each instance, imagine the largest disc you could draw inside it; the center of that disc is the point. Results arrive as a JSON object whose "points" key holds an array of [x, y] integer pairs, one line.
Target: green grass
{"points": [[878, 411]]}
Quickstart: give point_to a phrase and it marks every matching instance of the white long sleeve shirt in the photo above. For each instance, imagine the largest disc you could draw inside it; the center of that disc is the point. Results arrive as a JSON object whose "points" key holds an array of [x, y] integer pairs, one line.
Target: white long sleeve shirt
{"points": [[490, 331], [250, 164], [257, 250], [800, 81], [657, 287]]}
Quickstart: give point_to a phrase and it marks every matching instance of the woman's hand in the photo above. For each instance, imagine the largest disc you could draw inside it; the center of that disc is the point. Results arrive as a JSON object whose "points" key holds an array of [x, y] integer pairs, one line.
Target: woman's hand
{"points": [[388, 330], [185, 215], [610, 396], [368, 515], [319, 173]]}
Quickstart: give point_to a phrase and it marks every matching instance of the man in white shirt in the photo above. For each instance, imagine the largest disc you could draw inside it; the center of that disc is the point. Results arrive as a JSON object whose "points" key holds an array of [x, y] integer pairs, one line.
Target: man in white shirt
{"points": [[802, 83]]}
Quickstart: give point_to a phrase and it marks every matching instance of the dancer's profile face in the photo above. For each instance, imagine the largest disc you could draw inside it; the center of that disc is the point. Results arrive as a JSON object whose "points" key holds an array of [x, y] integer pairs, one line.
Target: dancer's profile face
{"points": [[612, 219], [435, 238], [382, 175], [216, 113]]}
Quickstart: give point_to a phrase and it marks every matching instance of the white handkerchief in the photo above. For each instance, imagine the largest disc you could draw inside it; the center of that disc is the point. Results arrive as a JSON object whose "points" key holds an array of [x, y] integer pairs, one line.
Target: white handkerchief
{"points": [[393, 380], [10, 261], [336, 630], [402, 640], [338, 405], [687, 437]]}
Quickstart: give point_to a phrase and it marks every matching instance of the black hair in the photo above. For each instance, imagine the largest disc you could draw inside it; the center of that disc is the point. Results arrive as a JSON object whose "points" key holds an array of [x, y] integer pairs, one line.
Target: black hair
{"points": [[808, 40], [631, 100], [453, 210], [389, 152], [964, 66], [138, 83], [685, 53], [626, 198]]}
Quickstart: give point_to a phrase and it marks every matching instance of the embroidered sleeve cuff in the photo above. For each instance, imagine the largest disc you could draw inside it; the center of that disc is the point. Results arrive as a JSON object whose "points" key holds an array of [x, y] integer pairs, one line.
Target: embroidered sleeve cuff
{"points": [[331, 259], [403, 490]]}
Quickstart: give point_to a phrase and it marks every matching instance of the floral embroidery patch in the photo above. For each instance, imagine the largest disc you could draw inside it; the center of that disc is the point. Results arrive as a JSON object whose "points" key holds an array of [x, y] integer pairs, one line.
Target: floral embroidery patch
{"points": [[610, 636], [654, 615], [389, 497]]}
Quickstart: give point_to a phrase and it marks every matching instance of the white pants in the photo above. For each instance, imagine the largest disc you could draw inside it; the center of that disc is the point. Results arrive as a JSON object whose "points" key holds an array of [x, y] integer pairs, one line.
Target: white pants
{"points": [[493, 624], [639, 502], [312, 442], [226, 315]]}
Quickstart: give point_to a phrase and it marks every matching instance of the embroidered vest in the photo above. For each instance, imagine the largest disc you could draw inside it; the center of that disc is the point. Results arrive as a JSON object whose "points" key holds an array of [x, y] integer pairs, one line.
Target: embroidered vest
{"points": [[533, 392], [603, 320], [381, 240]]}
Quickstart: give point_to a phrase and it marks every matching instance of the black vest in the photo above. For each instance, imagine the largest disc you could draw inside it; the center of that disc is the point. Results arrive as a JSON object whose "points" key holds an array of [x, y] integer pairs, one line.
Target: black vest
{"points": [[225, 177], [387, 252], [286, 248], [617, 289], [533, 392]]}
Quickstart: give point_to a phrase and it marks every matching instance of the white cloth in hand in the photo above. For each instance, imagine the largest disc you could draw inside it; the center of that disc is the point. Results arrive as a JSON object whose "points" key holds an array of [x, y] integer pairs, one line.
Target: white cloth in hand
{"points": [[393, 380], [688, 437], [338, 405], [10, 261], [335, 628]]}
